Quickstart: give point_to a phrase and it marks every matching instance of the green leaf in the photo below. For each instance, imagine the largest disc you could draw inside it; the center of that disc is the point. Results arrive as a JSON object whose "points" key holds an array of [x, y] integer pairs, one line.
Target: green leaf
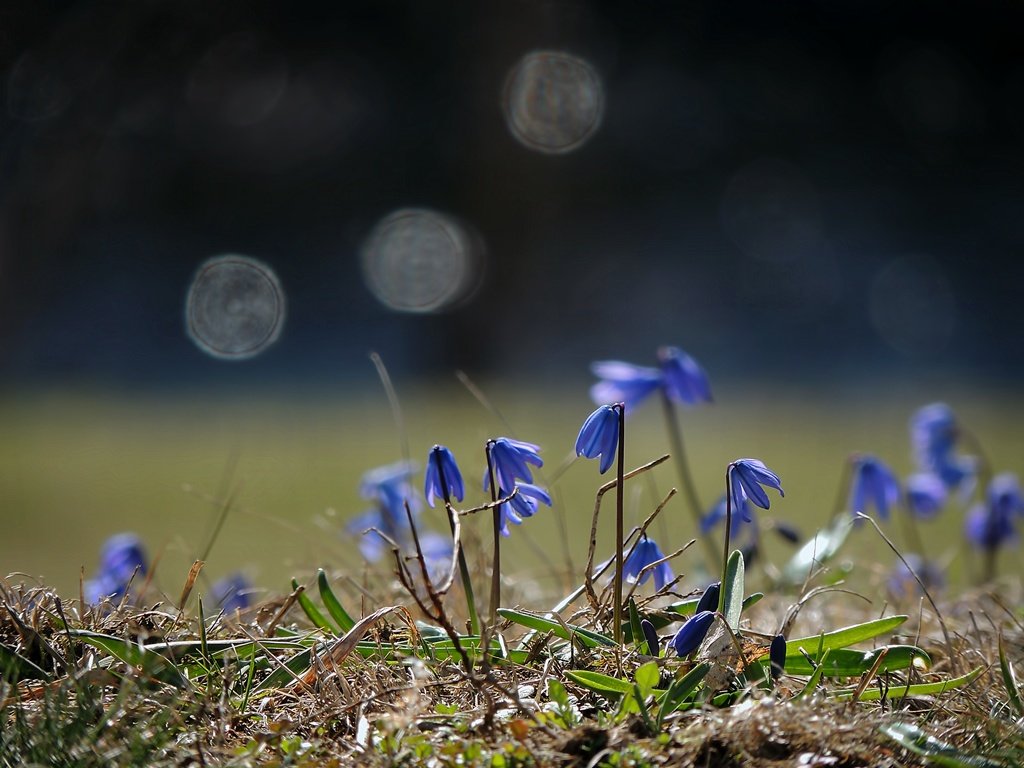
{"points": [[915, 740], [588, 637], [1010, 679], [333, 604], [647, 677], [152, 663], [731, 603], [841, 638], [815, 677], [682, 688], [635, 631], [845, 662], [920, 689], [312, 611], [819, 550]]}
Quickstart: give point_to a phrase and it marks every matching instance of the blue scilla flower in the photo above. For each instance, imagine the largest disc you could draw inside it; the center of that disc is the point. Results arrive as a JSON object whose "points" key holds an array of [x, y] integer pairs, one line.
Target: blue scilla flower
{"points": [[599, 435], [925, 494], [901, 582], [684, 380], [232, 593], [524, 503], [692, 633], [511, 460], [390, 490], [742, 516], [644, 553], [121, 557], [992, 524], [746, 478], [933, 435], [441, 463], [678, 374], [873, 485], [623, 383]]}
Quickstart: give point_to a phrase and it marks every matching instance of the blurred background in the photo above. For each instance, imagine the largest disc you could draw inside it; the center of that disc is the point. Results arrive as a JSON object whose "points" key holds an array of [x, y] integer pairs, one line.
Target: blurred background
{"points": [[211, 213]]}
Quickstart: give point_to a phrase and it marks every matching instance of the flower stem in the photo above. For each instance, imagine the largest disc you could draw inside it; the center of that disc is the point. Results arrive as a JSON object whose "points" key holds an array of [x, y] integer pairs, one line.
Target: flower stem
{"points": [[619, 493], [467, 585], [496, 563], [728, 536], [675, 439]]}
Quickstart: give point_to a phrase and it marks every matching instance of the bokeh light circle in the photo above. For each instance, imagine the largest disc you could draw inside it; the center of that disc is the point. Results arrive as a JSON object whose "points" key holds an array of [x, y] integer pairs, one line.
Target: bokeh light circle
{"points": [[419, 260], [554, 102], [235, 307]]}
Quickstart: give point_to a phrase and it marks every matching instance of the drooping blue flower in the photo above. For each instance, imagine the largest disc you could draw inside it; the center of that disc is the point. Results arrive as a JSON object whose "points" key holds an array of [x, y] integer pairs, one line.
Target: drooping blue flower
{"points": [[682, 377], [933, 435], [901, 582], [437, 554], [644, 553], [746, 478], [511, 460], [121, 557], [742, 516], [389, 489], [623, 383], [925, 494], [599, 435], [232, 593], [678, 374], [440, 463], [873, 485], [692, 633], [524, 503], [992, 524]]}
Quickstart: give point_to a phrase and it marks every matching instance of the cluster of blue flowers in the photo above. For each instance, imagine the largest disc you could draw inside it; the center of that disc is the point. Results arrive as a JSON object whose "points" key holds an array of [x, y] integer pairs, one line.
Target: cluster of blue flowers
{"points": [[678, 376], [123, 564]]}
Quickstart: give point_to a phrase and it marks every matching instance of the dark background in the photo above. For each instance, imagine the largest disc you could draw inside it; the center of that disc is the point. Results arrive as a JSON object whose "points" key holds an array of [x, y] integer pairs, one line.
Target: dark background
{"points": [[823, 190]]}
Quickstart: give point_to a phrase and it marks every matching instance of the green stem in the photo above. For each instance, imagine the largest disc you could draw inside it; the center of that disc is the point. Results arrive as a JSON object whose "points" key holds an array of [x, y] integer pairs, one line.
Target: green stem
{"points": [[467, 585], [619, 493], [675, 439]]}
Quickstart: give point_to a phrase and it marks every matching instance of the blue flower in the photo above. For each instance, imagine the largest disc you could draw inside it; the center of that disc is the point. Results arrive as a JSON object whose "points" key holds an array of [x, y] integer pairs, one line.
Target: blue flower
{"points": [[644, 553], [741, 516], [692, 633], [511, 459], [441, 463], [232, 593], [933, 434], [390, 490], [991, 524], [746, 478], [925, 494], [678, 374], [437, 554], [873, 484], [709, 600], [684, 380], [599, 435], [523, 504], [623, 383], [901, 582], [121, 557], [651, 636]]}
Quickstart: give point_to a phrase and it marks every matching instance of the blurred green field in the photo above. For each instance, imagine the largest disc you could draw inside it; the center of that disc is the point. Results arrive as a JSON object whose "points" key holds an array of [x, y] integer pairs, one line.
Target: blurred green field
{"points": [[79, 467]]}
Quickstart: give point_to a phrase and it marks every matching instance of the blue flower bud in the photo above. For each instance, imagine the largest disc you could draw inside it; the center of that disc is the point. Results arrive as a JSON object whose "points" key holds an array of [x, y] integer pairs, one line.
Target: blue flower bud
{"points": [[653, 644], [709, 600], [692, 633], [777, 656]]}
